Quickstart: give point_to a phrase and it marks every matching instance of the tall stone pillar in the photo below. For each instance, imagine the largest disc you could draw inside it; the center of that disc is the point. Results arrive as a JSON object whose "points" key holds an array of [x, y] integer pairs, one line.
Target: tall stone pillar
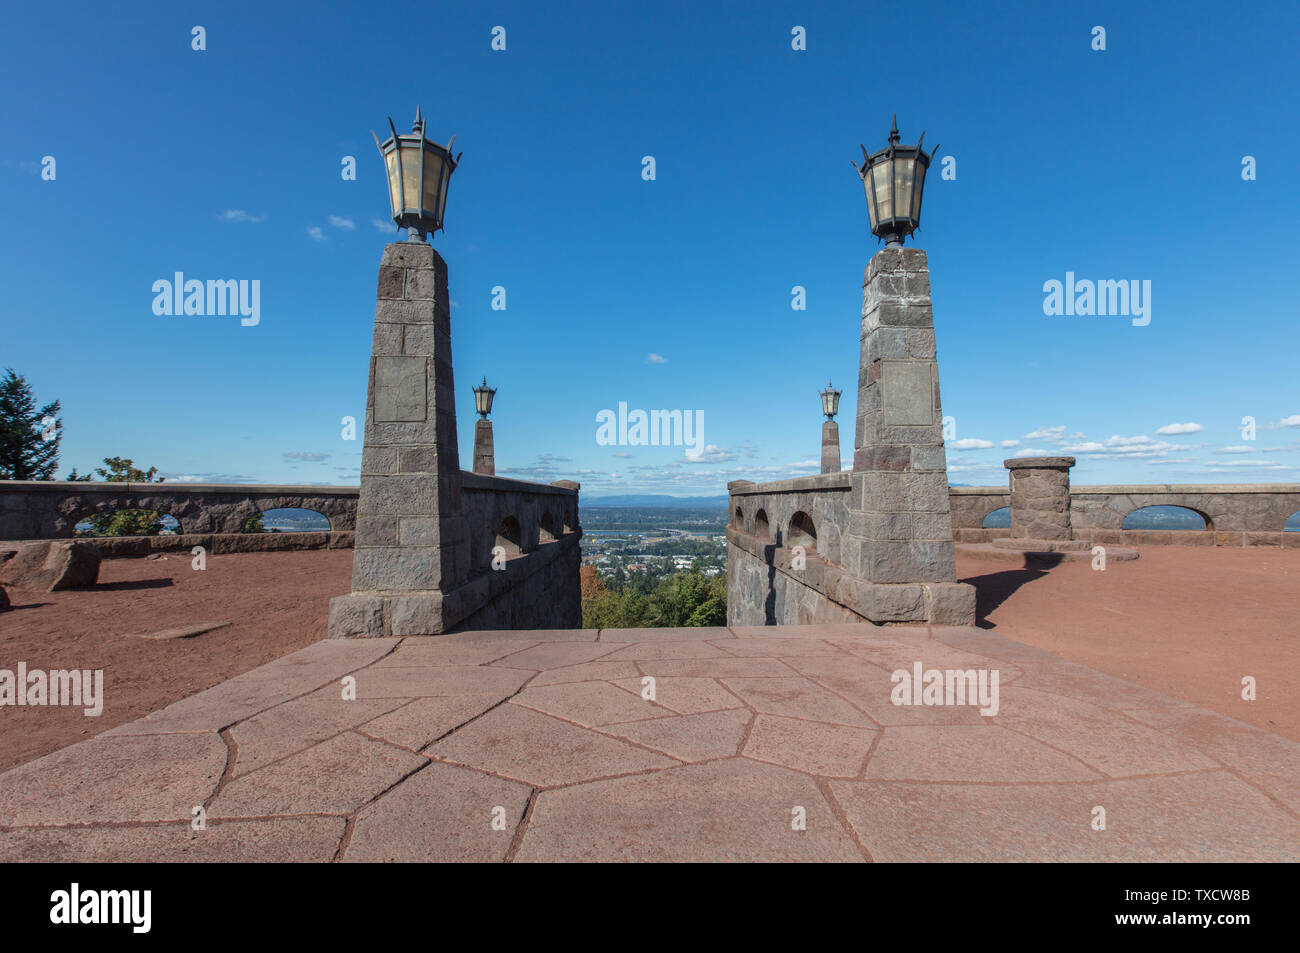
{"points": [[830, 447], [899, 541], [484, 454], [412, 539]]}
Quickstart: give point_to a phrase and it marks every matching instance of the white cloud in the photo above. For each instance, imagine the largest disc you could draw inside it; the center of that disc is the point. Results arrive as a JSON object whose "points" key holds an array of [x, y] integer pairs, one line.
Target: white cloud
{"points": [[1032, 452], [1169, 430], [1046, 433], [711, 454], [1010, 443], [338, 221], [316, 232], [239, 215], [382, 225], [1292, 421], [970, 443], [305, 456], [1239, 448], [653, 358]]}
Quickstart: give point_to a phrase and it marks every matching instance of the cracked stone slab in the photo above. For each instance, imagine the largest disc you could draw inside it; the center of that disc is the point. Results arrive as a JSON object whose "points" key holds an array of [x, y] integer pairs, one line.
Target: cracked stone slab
{"points": [[685, 695], [345, 772], [701, 633], [587, 672], [548, 655], [659, 651], [1114, 745], [273, 840], [424, 720], [797, 697], [114, 780], [426, 680], [969, 753], [870, 688], [833, 751], [732, 810], [701, 737], [1207, 817], [298, 725], [519, 743], [449, 650], [440, 814], [590, 703]]}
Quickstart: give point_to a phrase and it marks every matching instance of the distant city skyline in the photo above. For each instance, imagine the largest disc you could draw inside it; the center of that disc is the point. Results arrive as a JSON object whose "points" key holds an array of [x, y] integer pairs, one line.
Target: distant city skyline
{"points": [[579, 285]]}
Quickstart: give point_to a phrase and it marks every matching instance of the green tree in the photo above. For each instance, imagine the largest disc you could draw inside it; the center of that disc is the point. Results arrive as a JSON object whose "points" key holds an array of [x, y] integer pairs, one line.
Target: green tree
{"points": [[29, 438], [254, 524], [126, 522]]}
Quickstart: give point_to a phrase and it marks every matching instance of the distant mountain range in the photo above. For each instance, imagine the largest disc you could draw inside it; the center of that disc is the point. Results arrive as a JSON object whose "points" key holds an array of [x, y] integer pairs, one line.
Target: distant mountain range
{"points": [[654, 499]]}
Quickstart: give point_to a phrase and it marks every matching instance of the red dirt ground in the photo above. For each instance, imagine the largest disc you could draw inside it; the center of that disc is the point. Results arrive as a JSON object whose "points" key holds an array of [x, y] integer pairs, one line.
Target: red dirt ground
{"points": [[1186, 621]]}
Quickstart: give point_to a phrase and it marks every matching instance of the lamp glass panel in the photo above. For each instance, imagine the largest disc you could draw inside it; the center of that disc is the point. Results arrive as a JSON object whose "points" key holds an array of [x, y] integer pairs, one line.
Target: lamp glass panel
{"points": [[442, 193], [394, 193], [432, 182], [411, 175], [903, 185], [916, 195], [880, 174]]}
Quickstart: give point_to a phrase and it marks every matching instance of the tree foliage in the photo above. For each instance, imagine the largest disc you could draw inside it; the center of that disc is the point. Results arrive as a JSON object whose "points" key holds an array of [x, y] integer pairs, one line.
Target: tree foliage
{"points": [[686, 598], [132, 522], [29, 437]]}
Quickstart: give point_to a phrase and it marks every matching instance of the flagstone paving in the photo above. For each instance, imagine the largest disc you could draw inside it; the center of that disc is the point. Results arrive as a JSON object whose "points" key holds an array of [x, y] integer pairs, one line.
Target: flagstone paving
{"points": [[715, 744]]}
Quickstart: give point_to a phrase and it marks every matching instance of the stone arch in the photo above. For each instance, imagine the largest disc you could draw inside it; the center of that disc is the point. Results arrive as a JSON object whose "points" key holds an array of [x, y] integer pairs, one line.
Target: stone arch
{"points": [[1176, 516], [510, 537], [1292, 523], [999, 518], [761, 528], [294, 519], [546, 528], [803, 532], [738, 518]]}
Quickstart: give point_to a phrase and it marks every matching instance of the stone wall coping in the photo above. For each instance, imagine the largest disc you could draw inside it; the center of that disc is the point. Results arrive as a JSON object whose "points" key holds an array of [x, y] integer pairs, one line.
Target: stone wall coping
{"points": [[1130, 488], [841, 481], [498, 484], [1029, 463], [105, 486]]}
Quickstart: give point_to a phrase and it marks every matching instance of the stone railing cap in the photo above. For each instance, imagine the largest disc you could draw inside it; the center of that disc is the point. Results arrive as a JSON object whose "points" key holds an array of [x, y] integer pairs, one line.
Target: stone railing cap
{"points": [[1015, 463]]}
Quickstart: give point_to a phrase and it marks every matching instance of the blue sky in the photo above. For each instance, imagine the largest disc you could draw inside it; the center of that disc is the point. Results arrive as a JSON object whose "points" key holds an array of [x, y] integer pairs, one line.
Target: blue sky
{"points": [[1116, 164]]}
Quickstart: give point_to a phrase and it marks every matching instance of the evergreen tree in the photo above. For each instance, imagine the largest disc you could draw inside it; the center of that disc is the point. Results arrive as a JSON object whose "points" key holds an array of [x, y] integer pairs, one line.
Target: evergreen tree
{"points": [[29, 438]]}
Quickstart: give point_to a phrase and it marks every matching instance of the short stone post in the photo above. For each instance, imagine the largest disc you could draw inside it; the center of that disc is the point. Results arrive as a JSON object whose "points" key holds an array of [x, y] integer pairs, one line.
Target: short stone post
{"points": [[830, 447], [899, 541], [1040, 498], [412, 539], [484, 453]]}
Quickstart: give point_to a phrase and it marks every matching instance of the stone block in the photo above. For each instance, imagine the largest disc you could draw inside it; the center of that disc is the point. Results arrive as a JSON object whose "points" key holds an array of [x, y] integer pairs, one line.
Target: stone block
{"points": [[420, 614], [908, 392], [391, 281], [356, 616], [396, 568], [950, 603], [418, 340], [400, 389], [911, 561], [417, 460]]}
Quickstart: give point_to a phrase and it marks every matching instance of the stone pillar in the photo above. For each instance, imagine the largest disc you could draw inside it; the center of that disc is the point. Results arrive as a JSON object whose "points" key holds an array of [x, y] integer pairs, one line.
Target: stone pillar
{"points": [[830, 447], [1040, 497], [899, 541], [412, 540], [484, 455]]}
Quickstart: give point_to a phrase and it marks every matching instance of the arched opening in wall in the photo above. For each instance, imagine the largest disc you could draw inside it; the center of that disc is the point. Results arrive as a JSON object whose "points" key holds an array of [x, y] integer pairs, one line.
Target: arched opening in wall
{"points": [[761, 528], [1292, 524], [546, 529], [1167, 517], [128, 522], [287, 519], [509, 537], [738, 519], [998, 519], [569, 521], [802, 532]]}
